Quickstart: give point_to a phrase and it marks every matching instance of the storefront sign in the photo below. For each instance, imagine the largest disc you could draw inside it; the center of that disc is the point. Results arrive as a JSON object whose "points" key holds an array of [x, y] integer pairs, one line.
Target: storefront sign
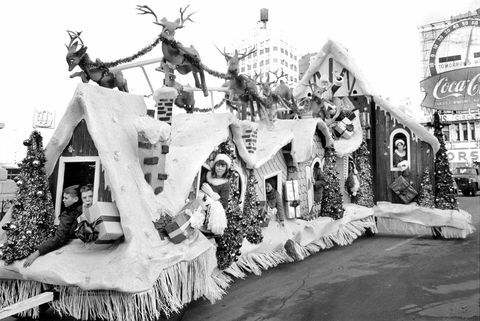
{"points": [[459, 117], [453, 90], [463, 155], [43, 119]]}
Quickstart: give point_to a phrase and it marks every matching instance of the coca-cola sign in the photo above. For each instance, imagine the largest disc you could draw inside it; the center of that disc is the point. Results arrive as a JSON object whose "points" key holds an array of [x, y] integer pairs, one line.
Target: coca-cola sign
{"points": [[453, 90]]}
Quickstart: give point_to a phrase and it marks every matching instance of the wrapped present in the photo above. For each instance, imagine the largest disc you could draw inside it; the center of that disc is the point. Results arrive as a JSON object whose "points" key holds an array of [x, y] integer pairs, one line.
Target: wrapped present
{"points": [[105, 220], [403, 189], [343, 128], [293, 209], [291, 191], [179, 229]]}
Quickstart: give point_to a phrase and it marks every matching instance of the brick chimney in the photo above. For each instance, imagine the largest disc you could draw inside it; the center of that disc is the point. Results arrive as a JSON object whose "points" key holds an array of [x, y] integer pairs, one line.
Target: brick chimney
{"points": [[164, 98]]}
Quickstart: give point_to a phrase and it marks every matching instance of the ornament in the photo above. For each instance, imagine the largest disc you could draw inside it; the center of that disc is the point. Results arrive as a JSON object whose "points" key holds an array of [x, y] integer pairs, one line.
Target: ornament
{"points": [[27, 142], [13, 226], [19, 182], [36, 163], [28, 232], [40, 193]]}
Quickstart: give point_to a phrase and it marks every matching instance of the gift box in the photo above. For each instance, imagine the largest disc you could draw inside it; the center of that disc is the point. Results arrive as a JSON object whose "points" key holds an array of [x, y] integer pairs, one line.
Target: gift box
{"points": [[291, 191], [343, 128], [179, 229], [403, 189], [293, 209], [105, 220]]}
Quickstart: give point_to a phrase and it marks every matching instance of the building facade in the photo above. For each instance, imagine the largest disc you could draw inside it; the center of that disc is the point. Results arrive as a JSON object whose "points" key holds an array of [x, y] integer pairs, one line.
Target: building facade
{"points": [[274, 52], [451, 81]]}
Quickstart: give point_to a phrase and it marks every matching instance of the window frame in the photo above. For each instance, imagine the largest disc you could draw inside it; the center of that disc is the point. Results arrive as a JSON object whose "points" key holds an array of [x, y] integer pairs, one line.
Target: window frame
{"points": [[61, 178]]}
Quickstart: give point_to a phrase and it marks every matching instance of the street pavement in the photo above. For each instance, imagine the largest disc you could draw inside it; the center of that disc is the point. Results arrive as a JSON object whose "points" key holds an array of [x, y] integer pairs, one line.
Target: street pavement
{"points": [[378, 278]]}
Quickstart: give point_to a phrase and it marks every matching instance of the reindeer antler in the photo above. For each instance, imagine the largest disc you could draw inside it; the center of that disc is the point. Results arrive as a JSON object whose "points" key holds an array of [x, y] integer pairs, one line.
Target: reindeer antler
{"points": [[224, 53], [247, 53], [277, 76], [74, 39], [182, 20], [147, 10]]}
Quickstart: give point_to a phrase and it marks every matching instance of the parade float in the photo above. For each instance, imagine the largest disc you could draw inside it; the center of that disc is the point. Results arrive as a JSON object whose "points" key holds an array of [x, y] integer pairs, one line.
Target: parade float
{"points": [[154, 248]]}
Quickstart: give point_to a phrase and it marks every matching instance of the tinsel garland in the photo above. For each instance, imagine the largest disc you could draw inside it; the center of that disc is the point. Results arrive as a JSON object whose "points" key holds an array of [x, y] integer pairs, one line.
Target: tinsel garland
{"points": [[205, 110], [33, 211], [253, 217], [140, 53], [365, 192], [332, 203], [445, 197]]}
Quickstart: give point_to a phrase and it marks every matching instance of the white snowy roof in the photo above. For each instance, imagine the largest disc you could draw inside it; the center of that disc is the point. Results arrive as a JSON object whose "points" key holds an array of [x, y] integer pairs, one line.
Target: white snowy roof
{"points": [[342, 56], [114, 120]]}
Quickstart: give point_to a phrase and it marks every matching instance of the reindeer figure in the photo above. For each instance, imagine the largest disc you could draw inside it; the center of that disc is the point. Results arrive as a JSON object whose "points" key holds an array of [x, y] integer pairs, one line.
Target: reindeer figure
{"points": [[94, 71], [183, 59], [244, 87]]}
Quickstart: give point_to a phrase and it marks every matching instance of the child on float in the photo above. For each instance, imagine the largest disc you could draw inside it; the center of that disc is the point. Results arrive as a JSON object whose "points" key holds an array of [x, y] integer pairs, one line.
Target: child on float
{"points": [[66, 228]]}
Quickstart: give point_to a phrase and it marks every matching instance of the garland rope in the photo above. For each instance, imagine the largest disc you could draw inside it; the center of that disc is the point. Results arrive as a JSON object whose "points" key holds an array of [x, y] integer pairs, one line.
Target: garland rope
{"points": [[140, 53], [204, 110]]}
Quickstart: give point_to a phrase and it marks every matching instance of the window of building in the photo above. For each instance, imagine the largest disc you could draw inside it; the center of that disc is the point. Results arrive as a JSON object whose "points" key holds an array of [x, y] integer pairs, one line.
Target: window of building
{"points": [[291, 78], [286, 52], [249, 67], [255, 65], [291, 56], [275, 59], [261, 51], [254, 54], [472, 131], [275, 48], [267, 61], [446, 133], [457, 131], [464, 131], [261, 63], [295, 57], [282, 51], [262, 43], [267, 50]]}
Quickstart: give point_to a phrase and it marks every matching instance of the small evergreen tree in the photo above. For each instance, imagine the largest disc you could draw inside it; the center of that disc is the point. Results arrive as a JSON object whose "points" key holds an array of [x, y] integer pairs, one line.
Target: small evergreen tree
{"points": [[332, 203], [445, 197], [425, 197], [33, 210], [365, 192]]}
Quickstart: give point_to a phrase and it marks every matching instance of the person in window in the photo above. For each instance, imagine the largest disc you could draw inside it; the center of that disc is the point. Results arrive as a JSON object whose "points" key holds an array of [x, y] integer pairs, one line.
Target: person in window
{"points": [[275, 203], [66, 228], [399, 154]]}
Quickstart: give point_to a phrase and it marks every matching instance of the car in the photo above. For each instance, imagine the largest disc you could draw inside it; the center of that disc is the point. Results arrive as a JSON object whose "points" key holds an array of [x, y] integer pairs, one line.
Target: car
{"points": [[467, 179]]}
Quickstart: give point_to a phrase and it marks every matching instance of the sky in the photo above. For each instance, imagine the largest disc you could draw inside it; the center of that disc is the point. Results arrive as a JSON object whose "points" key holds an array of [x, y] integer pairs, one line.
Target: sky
{"points": [[381, 36]]}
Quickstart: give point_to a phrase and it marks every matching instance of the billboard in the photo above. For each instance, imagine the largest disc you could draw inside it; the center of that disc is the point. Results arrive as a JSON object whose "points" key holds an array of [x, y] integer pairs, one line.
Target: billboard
{"points": [[456, 90], [464, 155]]}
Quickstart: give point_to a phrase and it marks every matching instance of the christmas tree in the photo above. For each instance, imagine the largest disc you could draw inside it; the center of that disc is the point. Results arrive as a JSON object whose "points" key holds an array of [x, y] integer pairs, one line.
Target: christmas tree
{"points": [[253, 217], [365, 192], [332, 204], [228, 245], [33, 211], [445, 197], [426, 198]]}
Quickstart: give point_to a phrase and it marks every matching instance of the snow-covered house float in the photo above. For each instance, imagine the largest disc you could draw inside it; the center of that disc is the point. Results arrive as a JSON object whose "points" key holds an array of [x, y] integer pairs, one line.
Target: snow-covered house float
{"points": [[384, 125], [107, 137]]}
